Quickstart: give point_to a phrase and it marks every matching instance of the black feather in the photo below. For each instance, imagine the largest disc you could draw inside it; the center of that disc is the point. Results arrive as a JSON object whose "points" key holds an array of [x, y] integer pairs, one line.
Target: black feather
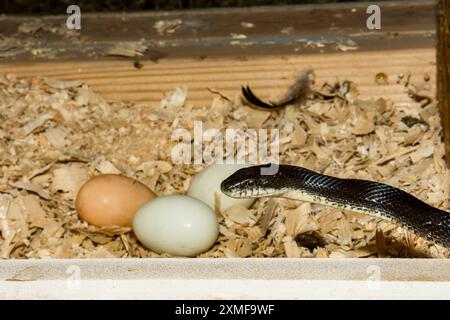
{"points": [[251, 98], [296, 93]]}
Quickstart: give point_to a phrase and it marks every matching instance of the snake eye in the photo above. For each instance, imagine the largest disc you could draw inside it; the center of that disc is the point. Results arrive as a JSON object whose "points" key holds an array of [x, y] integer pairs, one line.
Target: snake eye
{"points": [[251, 184]]}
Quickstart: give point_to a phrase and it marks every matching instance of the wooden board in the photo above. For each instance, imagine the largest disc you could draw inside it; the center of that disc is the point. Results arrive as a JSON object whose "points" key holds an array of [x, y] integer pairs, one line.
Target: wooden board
{"points": [[209, 33], [443, 58], [218, 279], [201, 53], [268, 75]]}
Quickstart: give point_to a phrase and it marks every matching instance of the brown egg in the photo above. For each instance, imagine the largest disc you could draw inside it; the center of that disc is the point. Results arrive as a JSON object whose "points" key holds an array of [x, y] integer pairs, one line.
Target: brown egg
{"points": [[111, 199]]}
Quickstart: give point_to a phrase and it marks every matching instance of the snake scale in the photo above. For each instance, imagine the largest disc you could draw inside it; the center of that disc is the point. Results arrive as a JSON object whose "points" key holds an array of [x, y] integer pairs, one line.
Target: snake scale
{"points": [[369, 197]]}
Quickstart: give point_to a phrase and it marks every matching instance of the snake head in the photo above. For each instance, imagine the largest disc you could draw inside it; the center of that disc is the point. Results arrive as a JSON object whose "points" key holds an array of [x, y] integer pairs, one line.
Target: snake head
{"points": [[250, 182]]}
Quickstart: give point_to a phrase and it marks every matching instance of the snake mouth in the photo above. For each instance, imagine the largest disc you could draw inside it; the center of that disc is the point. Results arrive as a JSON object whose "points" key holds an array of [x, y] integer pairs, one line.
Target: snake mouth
{"points": [[251, 193]]}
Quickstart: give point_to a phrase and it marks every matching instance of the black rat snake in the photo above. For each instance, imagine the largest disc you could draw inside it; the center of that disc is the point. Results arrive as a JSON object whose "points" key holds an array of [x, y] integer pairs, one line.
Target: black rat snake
{"points": [[369, 197]]}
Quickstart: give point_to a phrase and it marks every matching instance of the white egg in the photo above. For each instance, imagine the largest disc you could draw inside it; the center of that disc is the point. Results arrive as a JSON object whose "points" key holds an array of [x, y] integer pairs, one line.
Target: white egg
{"points": [[176, 224], [206, 184]]}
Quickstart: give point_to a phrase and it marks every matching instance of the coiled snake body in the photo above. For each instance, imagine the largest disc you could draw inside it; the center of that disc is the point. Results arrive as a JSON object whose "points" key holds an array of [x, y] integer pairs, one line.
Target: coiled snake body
{"points": [[369, 197]]}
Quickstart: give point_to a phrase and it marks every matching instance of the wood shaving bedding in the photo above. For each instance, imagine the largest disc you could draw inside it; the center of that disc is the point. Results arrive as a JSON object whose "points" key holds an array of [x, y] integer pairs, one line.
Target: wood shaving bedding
{"points": [[55, 135]]}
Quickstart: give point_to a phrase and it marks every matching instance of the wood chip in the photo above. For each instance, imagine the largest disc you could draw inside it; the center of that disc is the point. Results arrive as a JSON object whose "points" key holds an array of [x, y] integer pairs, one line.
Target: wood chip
{"points": [[37, 122], [69, 179], [167, 26], [240, 215], [127, 49], [45, 194]]}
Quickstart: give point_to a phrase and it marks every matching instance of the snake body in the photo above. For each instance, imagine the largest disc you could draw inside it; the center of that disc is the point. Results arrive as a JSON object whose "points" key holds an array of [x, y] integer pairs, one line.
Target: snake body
{"points": [[368, 197]]}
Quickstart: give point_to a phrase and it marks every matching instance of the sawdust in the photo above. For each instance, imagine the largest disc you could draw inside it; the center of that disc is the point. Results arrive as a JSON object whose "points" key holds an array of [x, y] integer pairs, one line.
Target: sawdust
{"points": [[54, 135]]}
